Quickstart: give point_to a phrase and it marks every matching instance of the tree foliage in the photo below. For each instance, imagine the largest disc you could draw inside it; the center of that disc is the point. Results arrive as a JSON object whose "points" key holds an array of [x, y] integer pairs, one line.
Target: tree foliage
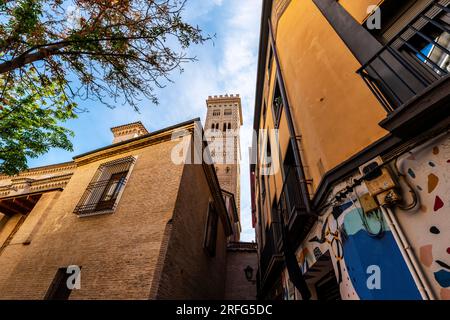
{"points": [[30, 122], [104, 50]]}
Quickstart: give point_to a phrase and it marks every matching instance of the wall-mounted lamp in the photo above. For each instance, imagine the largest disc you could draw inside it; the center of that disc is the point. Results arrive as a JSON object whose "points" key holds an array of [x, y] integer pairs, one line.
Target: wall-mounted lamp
{"points": [[249, 274]]}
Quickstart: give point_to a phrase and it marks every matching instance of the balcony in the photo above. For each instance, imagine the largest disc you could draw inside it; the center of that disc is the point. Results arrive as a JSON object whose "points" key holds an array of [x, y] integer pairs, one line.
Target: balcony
{"points": [[271, 256], [410, 75], [293, 209]]}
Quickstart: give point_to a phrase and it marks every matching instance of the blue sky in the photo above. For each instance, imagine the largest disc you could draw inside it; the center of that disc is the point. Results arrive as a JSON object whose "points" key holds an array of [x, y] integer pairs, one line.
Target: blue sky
{"points": [[226, 65]]}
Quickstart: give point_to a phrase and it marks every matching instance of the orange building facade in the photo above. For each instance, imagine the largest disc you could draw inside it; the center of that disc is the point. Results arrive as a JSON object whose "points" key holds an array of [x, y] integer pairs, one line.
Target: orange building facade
{"points": [[351, 175]]}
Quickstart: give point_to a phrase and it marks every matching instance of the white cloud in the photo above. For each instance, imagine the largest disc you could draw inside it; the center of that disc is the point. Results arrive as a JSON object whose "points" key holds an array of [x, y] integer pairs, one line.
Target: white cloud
{"points": [[228, 66], [238, 71], [199, 9]]}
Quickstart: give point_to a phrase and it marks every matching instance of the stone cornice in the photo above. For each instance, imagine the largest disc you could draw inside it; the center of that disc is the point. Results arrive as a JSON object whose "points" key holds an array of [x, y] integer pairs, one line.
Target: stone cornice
{"points": [[54, 168], [24, 186], [136, 128], [242, 246], [128, 126]]}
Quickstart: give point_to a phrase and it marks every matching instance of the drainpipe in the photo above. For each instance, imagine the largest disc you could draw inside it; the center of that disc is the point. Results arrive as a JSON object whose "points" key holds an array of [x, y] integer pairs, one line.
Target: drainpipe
{"points": [[408, 255]]}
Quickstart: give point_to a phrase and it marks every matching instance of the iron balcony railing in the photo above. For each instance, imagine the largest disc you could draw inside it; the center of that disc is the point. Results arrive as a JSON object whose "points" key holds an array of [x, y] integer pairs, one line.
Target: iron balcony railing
{"points": [[272, 248], [93, 200], [291, 200], [412, 61]]}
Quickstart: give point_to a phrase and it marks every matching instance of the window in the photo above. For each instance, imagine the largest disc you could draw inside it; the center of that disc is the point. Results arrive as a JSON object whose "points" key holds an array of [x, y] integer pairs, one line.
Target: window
{"points": [[228, 170], [103, 193], [268, 152], [416, 55], [228, 112], [292, 196], [269, 61], [224, 127], [277, 102], [217, 126], [216, 113], [212, 126], [431, 45], [263, 187], [58, 289], [109, 195], [229, 126], [264, 112], [211, 231]]}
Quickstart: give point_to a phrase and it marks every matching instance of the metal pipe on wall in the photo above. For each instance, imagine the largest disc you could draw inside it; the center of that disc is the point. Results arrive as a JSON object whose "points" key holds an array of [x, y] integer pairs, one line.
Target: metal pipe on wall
{"points": [[408, 255]]}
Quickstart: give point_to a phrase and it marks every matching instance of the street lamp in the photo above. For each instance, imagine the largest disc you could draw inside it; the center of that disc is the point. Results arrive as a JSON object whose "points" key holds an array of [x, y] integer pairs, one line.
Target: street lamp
{"points": [[249, 274]]}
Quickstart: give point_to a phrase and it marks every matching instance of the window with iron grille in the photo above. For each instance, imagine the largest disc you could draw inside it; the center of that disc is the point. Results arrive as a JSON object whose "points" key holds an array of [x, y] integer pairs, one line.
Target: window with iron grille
{"points": [[216, 113], [103, 192], [414, 58], [228, 112], [426, 39], [211, 231]]}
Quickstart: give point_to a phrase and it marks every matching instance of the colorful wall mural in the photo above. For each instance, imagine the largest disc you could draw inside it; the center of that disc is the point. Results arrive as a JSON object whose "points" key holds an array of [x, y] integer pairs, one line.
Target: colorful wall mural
{"points": [[369, 242], [357, 240], [427, 169]]}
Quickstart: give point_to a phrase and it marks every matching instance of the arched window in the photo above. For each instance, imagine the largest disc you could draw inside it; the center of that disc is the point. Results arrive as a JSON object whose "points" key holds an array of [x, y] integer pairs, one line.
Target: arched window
{"points": [[212, 126], [217, 126], [228, 169], [224, 127], [229, 126]]}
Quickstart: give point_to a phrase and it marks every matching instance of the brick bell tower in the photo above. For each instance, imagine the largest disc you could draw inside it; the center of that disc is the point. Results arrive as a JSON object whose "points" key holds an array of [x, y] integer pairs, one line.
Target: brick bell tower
{"points": [[224, 116]]}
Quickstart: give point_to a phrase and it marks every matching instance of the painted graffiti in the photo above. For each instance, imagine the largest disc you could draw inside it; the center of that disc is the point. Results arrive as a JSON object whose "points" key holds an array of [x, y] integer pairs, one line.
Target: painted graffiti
{"points": [[428, 170], [357, 241]]}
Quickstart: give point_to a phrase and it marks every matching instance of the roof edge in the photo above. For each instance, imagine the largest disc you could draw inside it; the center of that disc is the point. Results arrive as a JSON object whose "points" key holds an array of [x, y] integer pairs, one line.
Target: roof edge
{"points": [[154, 133]]}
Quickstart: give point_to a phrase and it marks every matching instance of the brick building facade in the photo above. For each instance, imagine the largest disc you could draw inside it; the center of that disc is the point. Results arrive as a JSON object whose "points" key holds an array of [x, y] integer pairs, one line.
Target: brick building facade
{"points": [[126, 215]]}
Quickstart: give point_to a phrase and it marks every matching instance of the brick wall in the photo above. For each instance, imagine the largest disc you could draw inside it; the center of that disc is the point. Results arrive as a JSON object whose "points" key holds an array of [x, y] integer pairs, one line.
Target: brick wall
{"points": [[151, 247], [188, 273], [118, 252], [237, 285]]}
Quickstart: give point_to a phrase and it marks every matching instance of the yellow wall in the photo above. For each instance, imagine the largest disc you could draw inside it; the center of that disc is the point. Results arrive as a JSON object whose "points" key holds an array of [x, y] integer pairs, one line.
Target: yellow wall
{"points": [[332, 108]]}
